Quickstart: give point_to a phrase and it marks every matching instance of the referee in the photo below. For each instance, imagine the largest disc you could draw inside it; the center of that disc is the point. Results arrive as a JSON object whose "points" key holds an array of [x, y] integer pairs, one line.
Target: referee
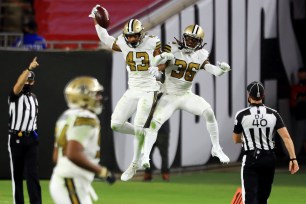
{"points": [[23, 137], [254, 128]]}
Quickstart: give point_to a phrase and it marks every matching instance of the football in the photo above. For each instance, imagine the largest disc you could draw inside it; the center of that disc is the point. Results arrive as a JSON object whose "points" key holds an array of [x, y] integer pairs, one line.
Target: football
{"points": [[102, 17]]}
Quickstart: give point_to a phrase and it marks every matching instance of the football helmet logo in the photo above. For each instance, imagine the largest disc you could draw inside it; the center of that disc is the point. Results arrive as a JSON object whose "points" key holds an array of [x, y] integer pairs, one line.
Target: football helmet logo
{"points": [[84, 92], [193, 38], [133, 33]]}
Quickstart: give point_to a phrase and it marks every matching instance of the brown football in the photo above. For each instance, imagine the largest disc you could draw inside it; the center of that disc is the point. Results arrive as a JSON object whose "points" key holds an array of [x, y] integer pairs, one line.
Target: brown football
{"points": [[102, 17]]}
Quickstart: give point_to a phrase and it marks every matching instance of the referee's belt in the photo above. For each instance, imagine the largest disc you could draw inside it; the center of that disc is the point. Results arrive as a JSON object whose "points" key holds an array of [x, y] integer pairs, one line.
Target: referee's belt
{"points": [[21, 133], [259, 152]]}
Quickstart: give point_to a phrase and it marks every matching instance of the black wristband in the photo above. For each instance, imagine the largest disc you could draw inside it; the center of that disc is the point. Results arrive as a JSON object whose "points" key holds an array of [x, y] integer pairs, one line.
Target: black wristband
{"points": [[292, 159]]}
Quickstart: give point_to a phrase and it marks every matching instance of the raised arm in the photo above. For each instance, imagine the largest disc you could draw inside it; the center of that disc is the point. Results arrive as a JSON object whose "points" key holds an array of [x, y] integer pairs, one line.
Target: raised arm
{"points": [[22, 79], [102, 33]]}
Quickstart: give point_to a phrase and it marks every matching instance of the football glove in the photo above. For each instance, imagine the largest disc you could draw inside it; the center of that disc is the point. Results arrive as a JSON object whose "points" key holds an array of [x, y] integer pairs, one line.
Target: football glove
{"points": [[107, 175], [111, 179], [167, 56], [224, 67], [163, 58], [93, 11], [155, 72]]}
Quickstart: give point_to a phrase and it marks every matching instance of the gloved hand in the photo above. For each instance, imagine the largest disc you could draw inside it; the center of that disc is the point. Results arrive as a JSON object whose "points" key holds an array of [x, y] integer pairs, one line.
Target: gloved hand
{"points": [[111, 179], [155, 72], [107, 175], [224, 67], [167, 56], [93, 11]]}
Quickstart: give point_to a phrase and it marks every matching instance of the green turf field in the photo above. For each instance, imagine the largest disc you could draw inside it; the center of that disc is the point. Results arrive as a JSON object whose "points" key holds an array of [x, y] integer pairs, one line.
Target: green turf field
{"points": [[196, 188]]}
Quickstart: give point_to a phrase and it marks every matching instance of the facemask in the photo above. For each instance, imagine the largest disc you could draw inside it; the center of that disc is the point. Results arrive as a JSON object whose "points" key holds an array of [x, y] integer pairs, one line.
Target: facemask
{"points": [[27, 88]]}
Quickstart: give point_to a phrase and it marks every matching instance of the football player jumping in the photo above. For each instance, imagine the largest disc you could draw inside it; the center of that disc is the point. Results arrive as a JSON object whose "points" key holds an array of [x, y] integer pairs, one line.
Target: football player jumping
{"points": [[184, 60], [138, 50], [77, 149]]}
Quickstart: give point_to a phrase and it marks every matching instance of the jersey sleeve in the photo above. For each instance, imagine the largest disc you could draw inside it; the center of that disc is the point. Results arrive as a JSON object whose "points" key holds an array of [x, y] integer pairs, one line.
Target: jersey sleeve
{"points": [[119, 41], [279, 121], [13, 97], [237, 124], [157, 42]]}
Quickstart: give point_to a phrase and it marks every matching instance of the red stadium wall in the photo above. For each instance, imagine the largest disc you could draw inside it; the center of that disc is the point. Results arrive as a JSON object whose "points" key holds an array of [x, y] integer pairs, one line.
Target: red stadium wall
{"points": [[67, 20]]}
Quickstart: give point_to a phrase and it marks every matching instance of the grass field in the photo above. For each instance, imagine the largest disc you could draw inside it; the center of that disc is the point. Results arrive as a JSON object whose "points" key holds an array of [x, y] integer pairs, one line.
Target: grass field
{"points": [[203, 187]]}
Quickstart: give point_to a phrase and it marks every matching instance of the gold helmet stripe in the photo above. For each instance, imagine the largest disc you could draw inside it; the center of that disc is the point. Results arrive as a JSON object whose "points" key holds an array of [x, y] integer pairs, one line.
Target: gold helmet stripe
{"points": [[131, 25], [195, 29]]}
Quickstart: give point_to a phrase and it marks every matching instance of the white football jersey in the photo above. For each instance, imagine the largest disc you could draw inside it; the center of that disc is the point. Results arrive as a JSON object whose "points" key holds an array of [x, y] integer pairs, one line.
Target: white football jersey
{"points": [[181, 72], [82, 126], [138, 60]]}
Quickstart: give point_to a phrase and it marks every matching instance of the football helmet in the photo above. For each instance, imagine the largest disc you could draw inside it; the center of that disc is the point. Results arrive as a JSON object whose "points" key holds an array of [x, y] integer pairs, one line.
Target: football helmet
{"points": [[193, 37], [84, 92], [133, 28]]}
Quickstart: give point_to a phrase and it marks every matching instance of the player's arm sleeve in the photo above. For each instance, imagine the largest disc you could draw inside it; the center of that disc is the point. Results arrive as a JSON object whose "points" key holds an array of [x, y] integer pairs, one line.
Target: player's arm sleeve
{"points": [[104, 36], [214, 70], [158, 46]]}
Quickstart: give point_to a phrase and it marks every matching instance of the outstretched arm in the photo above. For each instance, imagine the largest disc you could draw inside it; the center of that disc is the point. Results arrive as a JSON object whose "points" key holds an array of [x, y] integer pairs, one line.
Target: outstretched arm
{"points": [[218, 70]]}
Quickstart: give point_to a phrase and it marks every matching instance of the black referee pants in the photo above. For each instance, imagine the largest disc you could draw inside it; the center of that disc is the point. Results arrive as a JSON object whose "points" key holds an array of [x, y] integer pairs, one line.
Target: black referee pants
{"points": [[257, 177], [24, 159]]}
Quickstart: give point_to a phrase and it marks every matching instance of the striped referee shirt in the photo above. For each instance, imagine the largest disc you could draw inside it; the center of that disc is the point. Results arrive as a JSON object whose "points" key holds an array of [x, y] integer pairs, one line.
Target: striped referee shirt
{"points": [[257, 123], [23, 110]]}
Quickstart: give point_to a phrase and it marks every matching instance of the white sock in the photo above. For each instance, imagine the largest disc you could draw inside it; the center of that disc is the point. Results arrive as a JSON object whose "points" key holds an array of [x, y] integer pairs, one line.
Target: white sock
{"points": [[213, 132], [150, 139], [138, 143]]}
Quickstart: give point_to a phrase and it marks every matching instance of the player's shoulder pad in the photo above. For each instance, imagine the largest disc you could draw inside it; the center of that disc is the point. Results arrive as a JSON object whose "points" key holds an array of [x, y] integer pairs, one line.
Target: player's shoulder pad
{"points": [[167, 48], [204, 53], [120, 38], [171, 47], [153, 36], [86, 118]]}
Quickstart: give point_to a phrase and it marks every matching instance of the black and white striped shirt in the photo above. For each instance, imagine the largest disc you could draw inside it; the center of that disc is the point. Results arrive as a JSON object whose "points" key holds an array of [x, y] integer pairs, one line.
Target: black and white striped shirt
{"points": [[23, 110], [258, 123]]}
